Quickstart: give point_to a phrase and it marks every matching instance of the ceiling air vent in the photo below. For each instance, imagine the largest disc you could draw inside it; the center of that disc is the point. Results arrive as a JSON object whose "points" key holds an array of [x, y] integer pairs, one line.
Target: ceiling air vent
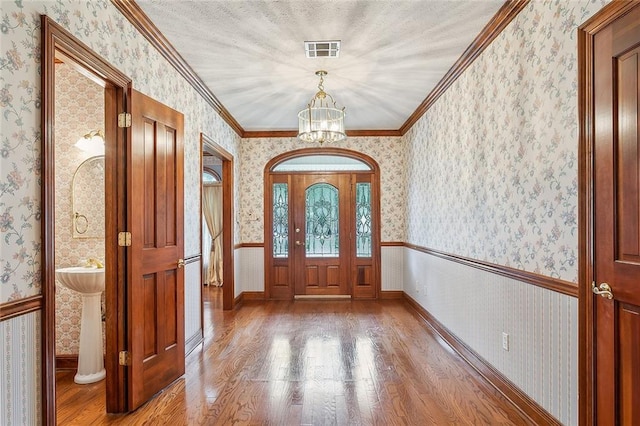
{"points": [[322, 49]]}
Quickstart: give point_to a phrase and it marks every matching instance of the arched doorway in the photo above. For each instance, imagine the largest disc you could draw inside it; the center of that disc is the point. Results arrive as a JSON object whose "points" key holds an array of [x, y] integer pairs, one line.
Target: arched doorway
{"points": [[322, 225]]}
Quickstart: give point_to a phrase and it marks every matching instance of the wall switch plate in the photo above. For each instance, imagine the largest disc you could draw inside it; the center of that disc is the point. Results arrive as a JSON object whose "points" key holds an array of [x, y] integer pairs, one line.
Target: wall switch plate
{"points": [[505, 341]]}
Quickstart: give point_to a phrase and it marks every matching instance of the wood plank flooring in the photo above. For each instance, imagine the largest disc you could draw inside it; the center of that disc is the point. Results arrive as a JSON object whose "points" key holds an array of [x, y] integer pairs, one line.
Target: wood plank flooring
{"points": [[309, 363]]}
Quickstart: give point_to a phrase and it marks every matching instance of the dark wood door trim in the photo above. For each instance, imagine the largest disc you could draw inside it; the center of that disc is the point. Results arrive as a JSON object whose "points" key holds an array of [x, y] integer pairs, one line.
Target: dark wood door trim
{"points": [[228, 288], [586, 116], [56, 41]]}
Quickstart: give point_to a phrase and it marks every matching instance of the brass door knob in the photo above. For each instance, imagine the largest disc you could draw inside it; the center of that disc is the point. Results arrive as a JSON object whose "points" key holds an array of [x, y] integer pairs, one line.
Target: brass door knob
{"points": [[603, 290], [180, 263], [299, 243]]}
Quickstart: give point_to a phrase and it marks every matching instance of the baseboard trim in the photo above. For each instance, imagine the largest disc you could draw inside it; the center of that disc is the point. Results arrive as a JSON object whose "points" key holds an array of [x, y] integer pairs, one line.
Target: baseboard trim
{"points": [[391, 294], [521, 400], [237, 302], [253, 295], [67, 362], [193, 342]]}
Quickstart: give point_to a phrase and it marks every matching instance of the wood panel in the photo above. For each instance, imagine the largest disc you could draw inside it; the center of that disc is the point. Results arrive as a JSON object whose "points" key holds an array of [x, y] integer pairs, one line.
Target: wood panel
{"points": [[281, 276], [628, 194], [629, 331], [267, 366]]}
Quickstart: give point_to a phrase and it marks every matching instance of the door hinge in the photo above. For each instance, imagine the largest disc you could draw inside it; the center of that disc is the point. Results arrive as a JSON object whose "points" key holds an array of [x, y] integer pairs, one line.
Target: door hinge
{"points": [[124, 358], [124, 239], [124, 119]]}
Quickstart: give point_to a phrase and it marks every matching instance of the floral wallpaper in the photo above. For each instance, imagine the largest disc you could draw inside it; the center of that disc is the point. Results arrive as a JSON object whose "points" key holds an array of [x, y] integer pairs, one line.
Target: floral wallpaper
{"points": [[256, 153], [492, 166], [79, 109], [99, 25]]}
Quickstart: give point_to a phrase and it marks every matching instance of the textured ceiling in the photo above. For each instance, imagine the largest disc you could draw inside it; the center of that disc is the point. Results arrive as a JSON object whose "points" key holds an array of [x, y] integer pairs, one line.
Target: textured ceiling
{"points": [[251, 53]]}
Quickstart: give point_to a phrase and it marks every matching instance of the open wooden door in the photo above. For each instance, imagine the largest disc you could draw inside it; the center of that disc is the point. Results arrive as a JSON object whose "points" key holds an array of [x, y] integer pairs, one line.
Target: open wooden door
{"points": [[155, 296], [617, 221]]}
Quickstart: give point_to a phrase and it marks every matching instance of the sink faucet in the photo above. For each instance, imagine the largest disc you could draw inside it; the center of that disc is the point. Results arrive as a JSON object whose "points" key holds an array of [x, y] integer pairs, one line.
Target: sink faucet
{"points": [[92, 261]]}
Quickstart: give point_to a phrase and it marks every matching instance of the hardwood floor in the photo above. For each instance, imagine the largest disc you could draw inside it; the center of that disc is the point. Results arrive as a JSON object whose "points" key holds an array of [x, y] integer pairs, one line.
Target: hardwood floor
{"points": [[311, 363]]}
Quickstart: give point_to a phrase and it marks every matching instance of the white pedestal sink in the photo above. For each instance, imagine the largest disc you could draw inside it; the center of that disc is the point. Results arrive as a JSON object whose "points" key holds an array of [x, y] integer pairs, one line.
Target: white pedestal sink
{"points": [[89, 282]]}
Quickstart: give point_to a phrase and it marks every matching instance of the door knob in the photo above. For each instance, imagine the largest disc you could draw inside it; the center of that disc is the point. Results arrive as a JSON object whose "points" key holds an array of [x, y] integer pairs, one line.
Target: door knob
{"points": [[604, 290], [180, 263], [299, 243]]}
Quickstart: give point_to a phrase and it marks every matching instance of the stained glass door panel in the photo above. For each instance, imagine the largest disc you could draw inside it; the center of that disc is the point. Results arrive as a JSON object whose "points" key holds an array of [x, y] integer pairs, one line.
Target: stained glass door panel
{"points": [[322, 217]]}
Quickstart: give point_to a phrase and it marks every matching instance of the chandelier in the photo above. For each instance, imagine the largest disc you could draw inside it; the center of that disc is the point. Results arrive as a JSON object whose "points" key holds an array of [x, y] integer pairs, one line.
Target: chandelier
{"points": [[321, 121]]}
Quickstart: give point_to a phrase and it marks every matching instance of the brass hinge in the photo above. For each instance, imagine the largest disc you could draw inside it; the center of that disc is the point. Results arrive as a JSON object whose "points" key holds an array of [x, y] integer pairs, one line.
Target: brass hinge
{"points": [[124, 358], [124, 239], [124, 119]]}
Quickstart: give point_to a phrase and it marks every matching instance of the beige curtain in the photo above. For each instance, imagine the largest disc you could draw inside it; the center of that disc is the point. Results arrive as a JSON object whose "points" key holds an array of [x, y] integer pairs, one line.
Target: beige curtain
{"points": [[212, 212]]}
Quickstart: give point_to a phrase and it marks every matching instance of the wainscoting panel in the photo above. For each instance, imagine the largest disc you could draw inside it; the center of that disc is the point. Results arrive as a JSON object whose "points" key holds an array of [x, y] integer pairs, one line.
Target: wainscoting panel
{"points": [[249, 269], [478, 306], [192, 302], [392, 268], [20, 370]]}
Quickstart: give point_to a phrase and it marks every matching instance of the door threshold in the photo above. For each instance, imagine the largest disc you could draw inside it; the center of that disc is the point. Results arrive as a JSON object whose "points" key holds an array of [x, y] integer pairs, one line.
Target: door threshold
{"points": [[322, 296]]}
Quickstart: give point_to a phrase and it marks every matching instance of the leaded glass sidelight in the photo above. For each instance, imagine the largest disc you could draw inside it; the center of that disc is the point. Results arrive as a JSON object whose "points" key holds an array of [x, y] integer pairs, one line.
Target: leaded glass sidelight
{"points": [[322, 221], [363, 220], [280, 220]]}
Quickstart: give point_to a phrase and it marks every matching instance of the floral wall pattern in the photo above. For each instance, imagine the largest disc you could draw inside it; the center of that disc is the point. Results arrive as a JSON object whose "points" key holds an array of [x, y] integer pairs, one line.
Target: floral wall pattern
{"points": [[101, 26], [256, 153], [79, 109], [492, 166]]}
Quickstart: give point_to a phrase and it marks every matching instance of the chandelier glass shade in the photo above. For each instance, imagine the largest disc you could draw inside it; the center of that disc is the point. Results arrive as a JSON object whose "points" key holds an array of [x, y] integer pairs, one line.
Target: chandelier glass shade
{"points": [[321, 121]]}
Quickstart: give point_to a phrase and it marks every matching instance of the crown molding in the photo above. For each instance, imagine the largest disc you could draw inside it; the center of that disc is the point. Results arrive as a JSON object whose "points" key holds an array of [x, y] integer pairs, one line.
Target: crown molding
{"points": [[141, 21], [252, 134], [496, 25]]}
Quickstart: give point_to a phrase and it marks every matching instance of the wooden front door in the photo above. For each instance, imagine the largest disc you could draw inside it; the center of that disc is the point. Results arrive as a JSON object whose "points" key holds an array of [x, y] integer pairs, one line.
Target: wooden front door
{"points": [[617, 222], [156, 281], [322, 227], [321, 251]]}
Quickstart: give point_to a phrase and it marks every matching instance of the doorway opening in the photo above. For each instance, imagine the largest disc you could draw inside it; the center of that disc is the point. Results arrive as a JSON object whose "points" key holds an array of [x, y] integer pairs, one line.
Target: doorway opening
{"points": [[322, 225], [217, 230], [63, 58]]}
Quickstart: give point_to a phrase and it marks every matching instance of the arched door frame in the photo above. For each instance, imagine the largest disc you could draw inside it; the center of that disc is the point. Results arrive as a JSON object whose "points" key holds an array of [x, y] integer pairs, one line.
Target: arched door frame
{"points": [[375, 207]]}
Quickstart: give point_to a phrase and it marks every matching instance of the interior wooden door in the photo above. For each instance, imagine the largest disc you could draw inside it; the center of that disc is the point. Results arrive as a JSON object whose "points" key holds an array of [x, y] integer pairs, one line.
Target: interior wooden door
{"points": [[617, 221], [321, 228], [156, 282]]}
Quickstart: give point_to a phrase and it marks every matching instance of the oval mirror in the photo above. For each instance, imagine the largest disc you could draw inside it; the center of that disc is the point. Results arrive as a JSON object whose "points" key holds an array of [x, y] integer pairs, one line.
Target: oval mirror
{"points": [[87, 199]]}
